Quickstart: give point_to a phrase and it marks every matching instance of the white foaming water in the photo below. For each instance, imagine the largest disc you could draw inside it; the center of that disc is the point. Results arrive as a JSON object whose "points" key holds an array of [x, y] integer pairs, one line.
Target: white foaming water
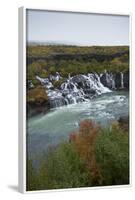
{"points": [[110, 80], [71, 92], [55, 126], [122, 82], [95, 84], [45, 82], [79, 88]]}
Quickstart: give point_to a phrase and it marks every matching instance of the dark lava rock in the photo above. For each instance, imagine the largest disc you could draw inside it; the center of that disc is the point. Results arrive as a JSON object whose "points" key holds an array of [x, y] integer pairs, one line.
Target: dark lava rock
{"points": [[126, 80], [78, 78], [106, 82], [118, 80], [103, 80]]}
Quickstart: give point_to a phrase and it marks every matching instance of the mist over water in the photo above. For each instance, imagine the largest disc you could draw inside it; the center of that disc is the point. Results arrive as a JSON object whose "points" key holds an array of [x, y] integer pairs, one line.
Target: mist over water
{"points": [[44, 131]]}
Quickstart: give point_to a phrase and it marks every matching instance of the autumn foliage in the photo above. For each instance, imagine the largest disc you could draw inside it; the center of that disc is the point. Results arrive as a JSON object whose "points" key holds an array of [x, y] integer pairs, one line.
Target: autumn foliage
{"points": [[84, 141]]}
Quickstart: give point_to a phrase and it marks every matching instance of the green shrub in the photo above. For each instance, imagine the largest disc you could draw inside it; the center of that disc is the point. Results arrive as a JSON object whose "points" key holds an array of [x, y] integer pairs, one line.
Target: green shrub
{"points": [[63, 169], [31, 177], [112, 155], [37, 96], [58, 83]]}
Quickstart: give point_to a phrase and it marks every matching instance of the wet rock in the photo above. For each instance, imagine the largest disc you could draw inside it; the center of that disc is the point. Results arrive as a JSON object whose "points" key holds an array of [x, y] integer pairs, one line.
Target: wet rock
{"points": [[126, 80], [108, 80], [78, 79], [118, 80]]}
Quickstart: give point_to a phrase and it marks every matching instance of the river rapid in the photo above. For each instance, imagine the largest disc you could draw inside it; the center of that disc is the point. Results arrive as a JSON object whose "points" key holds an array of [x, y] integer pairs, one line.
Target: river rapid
{"points": [[45, 131]]}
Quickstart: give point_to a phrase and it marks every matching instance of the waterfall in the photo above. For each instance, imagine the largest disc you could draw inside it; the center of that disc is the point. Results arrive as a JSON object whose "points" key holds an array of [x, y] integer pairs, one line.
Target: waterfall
{"points": [[74, 100], [55, 77], [45, 82], [69, 76], [79, 88], [94, 83], [122, 83], [66, 101], [70, 91], [110, 80], [57, 102]]}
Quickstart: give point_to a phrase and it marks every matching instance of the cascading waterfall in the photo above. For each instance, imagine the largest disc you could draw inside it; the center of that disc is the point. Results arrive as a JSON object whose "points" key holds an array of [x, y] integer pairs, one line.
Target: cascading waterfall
{"points": [[95, 84], [70, 92], [79, 88], [122, 82], [45, 82], [110, 80]]}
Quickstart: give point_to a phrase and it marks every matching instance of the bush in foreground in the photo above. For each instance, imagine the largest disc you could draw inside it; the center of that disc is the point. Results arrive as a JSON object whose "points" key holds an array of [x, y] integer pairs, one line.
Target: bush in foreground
{"points": [[92, 157], [112, 156]]}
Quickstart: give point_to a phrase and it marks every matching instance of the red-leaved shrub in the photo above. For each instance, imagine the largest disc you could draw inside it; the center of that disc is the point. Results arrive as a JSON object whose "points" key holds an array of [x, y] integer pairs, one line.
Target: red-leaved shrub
{"points": [[84, 141]]}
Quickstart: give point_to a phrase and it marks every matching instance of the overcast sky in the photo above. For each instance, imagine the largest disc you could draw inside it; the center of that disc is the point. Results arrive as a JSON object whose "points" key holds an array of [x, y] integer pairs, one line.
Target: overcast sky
{"points": [[76, 28]]}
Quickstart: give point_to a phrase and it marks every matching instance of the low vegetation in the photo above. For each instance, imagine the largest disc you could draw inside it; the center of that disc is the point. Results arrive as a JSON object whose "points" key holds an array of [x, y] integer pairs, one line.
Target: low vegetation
{"points": [[94, 156], [44, 50], [37, 101], [45, 60], [37, 96]]}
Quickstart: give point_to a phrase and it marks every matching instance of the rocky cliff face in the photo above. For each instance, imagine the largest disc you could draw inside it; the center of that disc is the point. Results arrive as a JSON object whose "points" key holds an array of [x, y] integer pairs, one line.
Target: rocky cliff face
{"points": [[115, 80]]}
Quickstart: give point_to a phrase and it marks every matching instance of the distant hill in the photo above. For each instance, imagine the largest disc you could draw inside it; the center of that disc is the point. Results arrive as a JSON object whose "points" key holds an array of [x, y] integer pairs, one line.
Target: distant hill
{"points": [[44, 49], [46, 43]]}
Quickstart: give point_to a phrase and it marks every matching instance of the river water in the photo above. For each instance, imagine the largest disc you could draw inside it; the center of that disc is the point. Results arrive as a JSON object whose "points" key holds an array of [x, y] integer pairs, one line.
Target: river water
{"points": [[44, 131]]}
